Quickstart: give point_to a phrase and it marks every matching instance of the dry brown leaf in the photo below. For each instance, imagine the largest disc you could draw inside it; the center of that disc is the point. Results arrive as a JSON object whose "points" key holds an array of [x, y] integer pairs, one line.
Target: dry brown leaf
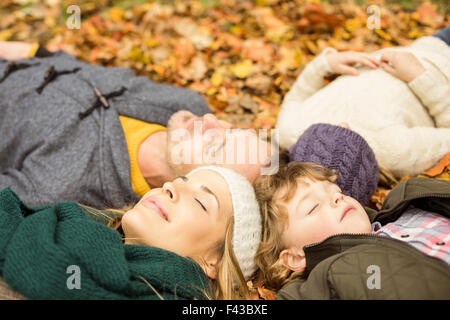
{"points": [[196, 69]]}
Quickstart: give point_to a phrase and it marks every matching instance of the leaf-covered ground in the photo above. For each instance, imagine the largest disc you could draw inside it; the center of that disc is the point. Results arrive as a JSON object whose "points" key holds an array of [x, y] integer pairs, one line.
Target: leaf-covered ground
{"points": [[241, 56]]}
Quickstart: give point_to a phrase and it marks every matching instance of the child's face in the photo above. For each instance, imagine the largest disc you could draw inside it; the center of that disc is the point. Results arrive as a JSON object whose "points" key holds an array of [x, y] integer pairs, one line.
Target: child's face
{"points": [[318, 210]]}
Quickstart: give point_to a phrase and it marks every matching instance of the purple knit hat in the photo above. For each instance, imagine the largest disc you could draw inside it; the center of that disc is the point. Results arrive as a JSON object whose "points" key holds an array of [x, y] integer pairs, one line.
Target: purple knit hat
{"points": [[343, 150]]}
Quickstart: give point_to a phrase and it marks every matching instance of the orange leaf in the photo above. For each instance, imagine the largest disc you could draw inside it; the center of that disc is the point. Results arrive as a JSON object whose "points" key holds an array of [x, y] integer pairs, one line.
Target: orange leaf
{"points": [[184, 50], [259, 51], [315, 15], [427, 10], [379, 196], [439, 168], [266, 294]]}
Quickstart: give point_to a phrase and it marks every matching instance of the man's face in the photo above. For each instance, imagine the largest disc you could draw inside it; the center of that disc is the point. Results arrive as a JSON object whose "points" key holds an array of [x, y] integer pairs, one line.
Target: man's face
{"points": [[197, 141]]}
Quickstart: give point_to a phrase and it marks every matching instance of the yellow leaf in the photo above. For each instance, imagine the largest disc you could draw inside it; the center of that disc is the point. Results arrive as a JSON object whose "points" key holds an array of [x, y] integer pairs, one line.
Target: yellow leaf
{"points": [[352, 24], [445, 177], [242, 69], [151, 43], [383, 34], [289, 59], [311, 46], [298, 56], [346, 35], [211, 91], [137, 55], [116, 14], [6, 34], [413, 34], [50, 22], [263, 3], [236, 30], [216, 79]]}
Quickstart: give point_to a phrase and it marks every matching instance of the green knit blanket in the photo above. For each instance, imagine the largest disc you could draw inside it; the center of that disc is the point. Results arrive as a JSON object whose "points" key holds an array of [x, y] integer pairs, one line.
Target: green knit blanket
{"points": [[59, 252]]}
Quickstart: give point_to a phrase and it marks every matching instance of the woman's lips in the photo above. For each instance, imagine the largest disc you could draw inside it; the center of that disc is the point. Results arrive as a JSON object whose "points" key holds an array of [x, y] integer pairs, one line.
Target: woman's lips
{"points": [[347, 210], [153, 204]]}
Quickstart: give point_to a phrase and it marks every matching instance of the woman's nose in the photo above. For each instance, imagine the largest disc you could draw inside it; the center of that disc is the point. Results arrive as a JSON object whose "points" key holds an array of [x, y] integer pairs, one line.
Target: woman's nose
{"points": [[170, 190]]}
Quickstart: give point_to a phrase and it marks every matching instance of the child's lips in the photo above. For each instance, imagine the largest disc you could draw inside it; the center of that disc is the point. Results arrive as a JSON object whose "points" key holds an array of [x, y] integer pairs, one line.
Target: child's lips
{"points": [[154, 204], [346, 211]]}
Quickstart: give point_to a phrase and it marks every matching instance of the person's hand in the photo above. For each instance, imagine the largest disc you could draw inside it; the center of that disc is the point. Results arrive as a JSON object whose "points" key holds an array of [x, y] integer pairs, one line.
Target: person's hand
{"points": [[402, 65], [14, 50], [344, 125], [341, 62]]}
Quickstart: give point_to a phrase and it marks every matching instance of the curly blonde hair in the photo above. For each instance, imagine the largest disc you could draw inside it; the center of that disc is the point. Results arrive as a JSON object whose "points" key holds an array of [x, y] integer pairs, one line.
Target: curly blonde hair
{"points": [[270, 191]]}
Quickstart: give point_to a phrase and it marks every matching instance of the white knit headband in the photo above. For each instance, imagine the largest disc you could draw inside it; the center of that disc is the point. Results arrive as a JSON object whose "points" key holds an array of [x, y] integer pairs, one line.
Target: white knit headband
{"points": [[247, 218]]}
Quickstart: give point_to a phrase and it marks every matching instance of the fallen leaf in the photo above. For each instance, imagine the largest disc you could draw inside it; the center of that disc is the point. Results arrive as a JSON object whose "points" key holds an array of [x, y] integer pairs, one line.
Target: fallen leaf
{"points": [[260, 83], [216, 79], [116, 14], [184, 50], [196, 69], [440, 167], [379, 196], [248, 103], [242, 69], [265, 294], [258, 51]]}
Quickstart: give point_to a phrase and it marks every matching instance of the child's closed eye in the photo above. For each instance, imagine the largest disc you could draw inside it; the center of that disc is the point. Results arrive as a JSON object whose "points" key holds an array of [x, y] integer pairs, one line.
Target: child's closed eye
{"points": [[312, 209]]}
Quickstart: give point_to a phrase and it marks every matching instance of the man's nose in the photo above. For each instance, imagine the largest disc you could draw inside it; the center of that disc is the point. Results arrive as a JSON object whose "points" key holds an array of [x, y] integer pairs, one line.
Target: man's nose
{"points": [[210, 122]]}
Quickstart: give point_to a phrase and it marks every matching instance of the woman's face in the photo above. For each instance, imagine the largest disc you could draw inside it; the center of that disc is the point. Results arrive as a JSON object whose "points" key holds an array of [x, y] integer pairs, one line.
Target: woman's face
{"points": [[187, 216]]}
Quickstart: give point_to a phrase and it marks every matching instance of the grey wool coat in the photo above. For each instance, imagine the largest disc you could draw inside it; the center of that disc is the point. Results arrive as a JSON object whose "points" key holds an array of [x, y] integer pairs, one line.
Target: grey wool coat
{"points": [[62, 140]]}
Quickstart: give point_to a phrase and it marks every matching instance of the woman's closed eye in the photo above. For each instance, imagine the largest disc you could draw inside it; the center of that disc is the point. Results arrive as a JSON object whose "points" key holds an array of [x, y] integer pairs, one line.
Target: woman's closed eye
{"points": [[201, 204]]}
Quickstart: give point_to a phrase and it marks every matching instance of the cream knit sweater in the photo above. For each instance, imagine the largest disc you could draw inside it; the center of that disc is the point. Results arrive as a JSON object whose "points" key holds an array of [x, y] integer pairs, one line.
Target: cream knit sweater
{"points": [[406, 124]]}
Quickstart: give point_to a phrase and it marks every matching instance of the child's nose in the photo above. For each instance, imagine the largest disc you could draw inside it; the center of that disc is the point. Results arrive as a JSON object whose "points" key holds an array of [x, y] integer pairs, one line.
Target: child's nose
{"points": [[337, 198]]}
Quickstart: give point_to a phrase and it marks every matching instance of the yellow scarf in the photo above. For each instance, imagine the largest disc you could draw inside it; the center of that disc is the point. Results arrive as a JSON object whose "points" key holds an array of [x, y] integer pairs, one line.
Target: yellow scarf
{"points": [[136, 131]]}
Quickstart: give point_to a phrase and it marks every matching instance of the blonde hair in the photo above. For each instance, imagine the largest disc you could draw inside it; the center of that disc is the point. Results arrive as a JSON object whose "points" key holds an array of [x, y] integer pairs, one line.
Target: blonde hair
{"points": [[229, 283], [270, 191]]}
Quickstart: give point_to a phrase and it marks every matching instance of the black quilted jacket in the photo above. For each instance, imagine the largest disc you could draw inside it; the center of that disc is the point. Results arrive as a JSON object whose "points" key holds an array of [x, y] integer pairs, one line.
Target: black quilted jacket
{"points": [[350, 266]]}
